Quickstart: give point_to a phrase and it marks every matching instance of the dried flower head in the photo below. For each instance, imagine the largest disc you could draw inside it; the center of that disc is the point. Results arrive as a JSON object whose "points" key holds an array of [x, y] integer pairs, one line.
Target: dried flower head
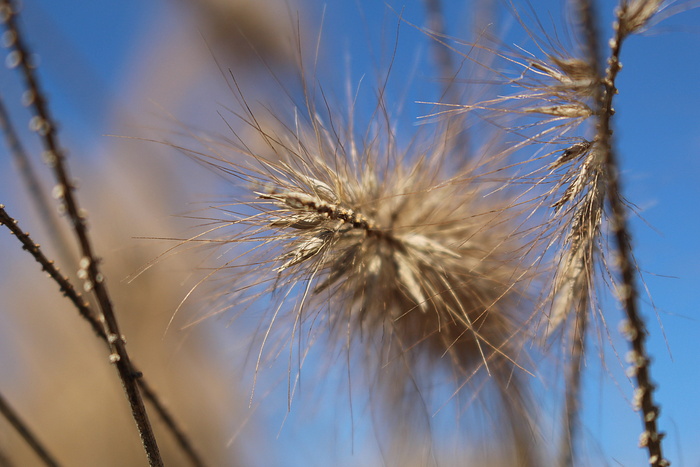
{"points": [[543, 96], [634, 15], [412, 270]]}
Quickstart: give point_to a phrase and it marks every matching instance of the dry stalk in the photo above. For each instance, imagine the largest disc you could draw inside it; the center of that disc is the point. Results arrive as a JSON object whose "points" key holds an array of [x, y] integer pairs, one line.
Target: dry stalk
{"points": [[562, 91], [632, 16], [23, 429], [49, 267], [69, 291], [598, 178], [44, 125], [34, 187]]}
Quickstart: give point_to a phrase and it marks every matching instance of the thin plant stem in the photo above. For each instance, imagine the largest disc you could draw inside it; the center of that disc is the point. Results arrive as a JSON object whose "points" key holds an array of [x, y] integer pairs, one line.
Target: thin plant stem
{"points": [[44, 125], [23, 429], [36, 190], [49, 267], [572, 401], [635, 327], [69, 291], [627, 290], [651, 437], [183, 441]]}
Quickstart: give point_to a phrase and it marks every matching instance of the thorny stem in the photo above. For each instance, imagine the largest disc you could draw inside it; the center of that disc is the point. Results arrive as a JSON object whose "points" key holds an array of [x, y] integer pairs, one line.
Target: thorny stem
{"points": [[48, 266], [628, 294], [84, 309], [46, 128], [18, 424]]}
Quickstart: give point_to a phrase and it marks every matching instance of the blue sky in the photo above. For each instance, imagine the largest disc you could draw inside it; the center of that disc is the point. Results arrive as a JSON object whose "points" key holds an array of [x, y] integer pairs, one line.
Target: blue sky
{"points": [[657, 132]]}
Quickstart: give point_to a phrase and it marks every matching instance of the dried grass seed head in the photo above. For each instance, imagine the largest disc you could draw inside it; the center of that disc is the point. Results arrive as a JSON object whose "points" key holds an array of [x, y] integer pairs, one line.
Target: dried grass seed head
{"points": [[554, 105], [548, 84], [367, 240]]}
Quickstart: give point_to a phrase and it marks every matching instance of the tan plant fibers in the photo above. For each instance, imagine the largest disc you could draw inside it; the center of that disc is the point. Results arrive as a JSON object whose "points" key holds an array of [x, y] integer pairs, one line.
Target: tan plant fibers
{"points": [[379, 250]]}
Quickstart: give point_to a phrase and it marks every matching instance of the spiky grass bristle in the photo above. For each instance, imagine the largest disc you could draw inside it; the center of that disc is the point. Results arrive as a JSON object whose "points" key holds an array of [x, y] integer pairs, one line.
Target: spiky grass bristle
{"points": [[411, 269]]}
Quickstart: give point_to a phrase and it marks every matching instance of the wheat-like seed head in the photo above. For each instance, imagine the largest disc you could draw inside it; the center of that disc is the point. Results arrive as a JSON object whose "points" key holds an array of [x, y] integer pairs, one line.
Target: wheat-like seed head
{"points": [[546, 94], [410, 269], [550, 101]]}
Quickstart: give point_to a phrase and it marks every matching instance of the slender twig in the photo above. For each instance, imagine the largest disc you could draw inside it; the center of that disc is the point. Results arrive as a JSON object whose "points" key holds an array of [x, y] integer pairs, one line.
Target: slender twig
{"points": [[21, 427], [180, 436], [636, 332], [44, 125], [49, 267], [37, 192], [83, 308], [67, 288], [634, 18], [651, 438]]}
